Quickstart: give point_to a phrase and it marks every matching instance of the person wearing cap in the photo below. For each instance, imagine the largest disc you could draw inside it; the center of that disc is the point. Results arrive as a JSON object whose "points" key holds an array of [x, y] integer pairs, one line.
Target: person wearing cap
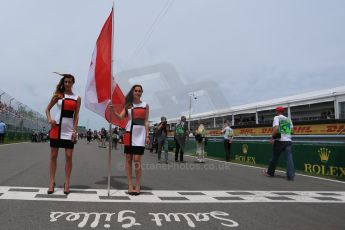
{"points": [[63, 131], [180, 136], [162, 140], [281, 139]]}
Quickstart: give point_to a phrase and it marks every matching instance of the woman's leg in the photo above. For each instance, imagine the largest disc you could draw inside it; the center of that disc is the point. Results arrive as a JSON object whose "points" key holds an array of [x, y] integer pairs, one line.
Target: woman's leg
{"points": [[137, 165], [68, 167], [52, 167], [129, 158]]}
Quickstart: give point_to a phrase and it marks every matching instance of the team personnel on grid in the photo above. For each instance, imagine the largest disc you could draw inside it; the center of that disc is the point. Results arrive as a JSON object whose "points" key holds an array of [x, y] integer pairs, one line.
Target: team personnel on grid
{"points": [[181, 134], [281, 139], [228, 135]]}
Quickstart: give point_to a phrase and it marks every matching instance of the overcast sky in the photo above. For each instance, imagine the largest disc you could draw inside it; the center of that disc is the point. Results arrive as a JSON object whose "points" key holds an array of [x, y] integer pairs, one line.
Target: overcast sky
{"points": [[227, 52]]}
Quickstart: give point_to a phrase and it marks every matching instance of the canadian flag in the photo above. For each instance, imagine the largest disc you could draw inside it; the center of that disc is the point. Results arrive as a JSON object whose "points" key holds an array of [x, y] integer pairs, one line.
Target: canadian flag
{"points": [[98, 91]]}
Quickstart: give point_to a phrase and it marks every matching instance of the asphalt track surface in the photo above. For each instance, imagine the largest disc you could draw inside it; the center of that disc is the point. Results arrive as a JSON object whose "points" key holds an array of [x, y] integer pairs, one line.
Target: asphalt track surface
{"points": [[214, 195]]}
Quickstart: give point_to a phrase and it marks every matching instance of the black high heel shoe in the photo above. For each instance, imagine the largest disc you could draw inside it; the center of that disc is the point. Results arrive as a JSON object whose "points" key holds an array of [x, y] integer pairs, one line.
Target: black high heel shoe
{"points": [[51, 191], [64, 191], [137, 193], [130, 193]]}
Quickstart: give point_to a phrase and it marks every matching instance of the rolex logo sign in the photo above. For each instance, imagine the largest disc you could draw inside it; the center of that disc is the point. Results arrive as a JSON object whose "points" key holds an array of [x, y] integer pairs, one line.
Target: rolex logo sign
{"points": [[323, 168], [245, 149], [324, 154], [245, 158]]}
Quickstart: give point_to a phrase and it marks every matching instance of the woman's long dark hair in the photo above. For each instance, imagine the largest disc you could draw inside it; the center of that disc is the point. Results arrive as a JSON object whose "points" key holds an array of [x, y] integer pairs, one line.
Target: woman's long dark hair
{"points": [[60, 88], [129, 96]]}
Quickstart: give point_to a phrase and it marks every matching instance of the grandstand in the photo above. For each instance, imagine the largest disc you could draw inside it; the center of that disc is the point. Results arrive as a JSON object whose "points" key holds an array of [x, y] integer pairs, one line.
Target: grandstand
{"points": [[19, 117], [313, 108]]}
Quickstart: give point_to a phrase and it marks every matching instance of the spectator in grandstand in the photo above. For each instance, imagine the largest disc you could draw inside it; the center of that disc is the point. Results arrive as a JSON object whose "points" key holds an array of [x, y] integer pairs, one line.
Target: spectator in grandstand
{"points": [[228, 136], [137, 134], [281, 139], [162, 140], [63, 132], [180, 136], [3, 128], [330, 115], [200, 136]]}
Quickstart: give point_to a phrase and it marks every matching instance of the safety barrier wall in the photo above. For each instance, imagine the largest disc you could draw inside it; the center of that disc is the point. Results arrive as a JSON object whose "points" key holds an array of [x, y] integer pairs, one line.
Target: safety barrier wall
{"points": [[314, 158], [17, 136]]}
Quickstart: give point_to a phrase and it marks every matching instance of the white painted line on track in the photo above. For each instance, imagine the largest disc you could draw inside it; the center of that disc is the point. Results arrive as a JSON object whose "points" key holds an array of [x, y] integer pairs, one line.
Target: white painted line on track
{"points": [[172, 196], [3, 145]]}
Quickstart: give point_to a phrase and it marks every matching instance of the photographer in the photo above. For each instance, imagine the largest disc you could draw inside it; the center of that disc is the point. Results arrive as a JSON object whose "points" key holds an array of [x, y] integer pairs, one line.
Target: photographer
{"points": [[162, 139]]}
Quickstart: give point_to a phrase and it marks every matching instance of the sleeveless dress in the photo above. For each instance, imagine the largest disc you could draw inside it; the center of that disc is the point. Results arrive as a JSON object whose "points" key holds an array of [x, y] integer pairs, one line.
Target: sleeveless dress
{"points": [[134, 138], [61, 134]]}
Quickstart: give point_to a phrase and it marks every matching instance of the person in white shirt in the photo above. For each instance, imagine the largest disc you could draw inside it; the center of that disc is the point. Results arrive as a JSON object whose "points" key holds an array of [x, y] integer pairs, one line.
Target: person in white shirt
{"points": [[2, 131], [228, 135], [281, 139]]}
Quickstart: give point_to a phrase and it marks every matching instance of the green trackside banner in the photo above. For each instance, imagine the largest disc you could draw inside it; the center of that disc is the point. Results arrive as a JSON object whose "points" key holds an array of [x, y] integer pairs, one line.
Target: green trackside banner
{"points": [[13, 136], [311, 158]]}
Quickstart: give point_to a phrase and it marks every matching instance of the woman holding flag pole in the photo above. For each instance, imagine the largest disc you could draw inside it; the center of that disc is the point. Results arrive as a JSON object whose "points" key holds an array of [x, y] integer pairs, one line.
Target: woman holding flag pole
{"points": [[136, 136], [104, 97]]}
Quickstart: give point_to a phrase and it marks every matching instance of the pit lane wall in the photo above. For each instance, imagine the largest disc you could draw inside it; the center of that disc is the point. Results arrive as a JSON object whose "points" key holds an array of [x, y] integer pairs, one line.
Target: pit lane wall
{"points": [[314, 158], [17, 136]]}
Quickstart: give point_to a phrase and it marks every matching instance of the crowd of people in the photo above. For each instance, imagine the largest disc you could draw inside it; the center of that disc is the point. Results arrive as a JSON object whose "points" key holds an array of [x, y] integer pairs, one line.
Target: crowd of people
{"points": [[20, 118], [102, 136], [7, 108]]}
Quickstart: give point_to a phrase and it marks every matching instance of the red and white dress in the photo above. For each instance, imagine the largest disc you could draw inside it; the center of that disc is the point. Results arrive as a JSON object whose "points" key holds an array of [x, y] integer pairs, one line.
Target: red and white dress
{"points": [[134, 138], [60, 135]]}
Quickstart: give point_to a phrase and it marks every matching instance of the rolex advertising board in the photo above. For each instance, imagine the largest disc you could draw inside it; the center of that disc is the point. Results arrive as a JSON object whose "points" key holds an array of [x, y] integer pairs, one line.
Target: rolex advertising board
{"points": [[324, 160], [311, 158]]}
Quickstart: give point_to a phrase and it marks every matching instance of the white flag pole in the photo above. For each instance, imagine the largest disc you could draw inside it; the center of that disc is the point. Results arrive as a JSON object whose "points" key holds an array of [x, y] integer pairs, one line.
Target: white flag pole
{"points": [[111, 100]]}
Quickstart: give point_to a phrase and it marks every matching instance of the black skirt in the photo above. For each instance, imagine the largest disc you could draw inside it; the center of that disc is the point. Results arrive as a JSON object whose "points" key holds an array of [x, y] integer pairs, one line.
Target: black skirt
{"points": [[134, 150], [66, 144]]}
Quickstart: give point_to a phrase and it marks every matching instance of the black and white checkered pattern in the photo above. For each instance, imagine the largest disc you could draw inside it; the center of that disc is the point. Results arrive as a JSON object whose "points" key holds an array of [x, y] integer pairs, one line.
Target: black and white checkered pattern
{"points": [[167, 196]]}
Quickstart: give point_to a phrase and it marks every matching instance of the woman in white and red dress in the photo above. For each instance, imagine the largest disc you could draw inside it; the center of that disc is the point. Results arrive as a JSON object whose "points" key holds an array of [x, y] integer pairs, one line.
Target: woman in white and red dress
{"points": [[136, 136], [63, 129]]}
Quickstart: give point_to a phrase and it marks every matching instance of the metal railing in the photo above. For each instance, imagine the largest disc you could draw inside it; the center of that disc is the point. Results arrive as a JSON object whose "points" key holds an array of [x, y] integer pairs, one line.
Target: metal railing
{"points": [[18, 116]]}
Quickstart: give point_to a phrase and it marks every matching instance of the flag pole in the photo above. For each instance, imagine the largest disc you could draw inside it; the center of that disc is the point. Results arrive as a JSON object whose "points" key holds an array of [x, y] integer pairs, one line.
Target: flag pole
{"points": [[111, 99]]}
